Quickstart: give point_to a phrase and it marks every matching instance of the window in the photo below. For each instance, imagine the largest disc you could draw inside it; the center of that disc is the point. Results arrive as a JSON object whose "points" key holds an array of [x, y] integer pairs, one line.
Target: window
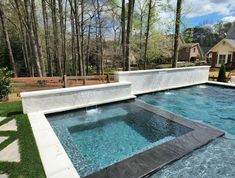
{"points": [[194, 50], [229, 58], [222, 59]]}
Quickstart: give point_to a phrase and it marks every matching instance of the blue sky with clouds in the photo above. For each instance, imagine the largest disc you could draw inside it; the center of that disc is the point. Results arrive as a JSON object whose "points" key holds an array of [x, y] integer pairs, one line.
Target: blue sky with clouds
{"points": [[208, 11], [208, 19], [198, 12]]}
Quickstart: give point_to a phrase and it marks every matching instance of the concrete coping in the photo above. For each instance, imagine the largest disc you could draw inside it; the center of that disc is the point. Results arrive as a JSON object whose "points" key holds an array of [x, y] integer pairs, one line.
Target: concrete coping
{"points": [[161, 70], [71, 89], [222, 84]]}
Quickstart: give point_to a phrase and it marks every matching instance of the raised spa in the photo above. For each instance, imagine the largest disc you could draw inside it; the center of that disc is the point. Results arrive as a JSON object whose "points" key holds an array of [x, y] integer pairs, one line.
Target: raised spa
{"points": [[95, 138]]}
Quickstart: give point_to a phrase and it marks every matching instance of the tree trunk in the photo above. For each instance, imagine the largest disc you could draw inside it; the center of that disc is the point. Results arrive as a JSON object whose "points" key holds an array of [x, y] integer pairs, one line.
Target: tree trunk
{"points": [[56, 55], [74, 56], [23, 33], [82, 38], [88, 47], [147, 34], [8, 43], [100, 40], [47, 37], [123, 24], [141, 32], [128, 34], [62, 18], [77, 28], [36, 39], [177, 33]]}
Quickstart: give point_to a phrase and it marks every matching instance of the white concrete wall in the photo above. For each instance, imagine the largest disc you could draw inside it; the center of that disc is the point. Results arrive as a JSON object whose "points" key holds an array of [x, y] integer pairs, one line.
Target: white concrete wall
{"points": [[159, 79], [55, 100]]}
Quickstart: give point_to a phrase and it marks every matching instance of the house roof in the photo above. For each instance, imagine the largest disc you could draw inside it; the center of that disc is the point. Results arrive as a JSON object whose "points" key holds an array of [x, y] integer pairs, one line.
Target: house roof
{"points": [[205, 49], [231, 42], [188, 45], [231, 32]]}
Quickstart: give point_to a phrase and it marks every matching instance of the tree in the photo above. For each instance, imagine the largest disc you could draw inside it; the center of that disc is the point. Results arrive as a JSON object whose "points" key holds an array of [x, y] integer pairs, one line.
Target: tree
{"points": [[4, 29], [131, 5], [150, 7], [222, 74], [177, 33], [47, 37], [123, 24], [56, 54]]}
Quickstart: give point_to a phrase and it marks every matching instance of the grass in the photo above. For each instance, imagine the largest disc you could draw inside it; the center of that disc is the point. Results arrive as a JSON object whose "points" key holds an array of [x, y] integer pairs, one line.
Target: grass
{"points": [[30, 165]]}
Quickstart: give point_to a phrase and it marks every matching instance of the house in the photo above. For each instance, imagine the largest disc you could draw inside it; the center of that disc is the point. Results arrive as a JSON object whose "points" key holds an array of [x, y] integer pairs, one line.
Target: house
{"points": [[190, 52], [224, 51]]}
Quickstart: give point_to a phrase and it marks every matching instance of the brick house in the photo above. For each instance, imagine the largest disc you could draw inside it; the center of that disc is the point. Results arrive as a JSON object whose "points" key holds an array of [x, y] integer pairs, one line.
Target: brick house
{"points": [[224, 51], [190, 52]]}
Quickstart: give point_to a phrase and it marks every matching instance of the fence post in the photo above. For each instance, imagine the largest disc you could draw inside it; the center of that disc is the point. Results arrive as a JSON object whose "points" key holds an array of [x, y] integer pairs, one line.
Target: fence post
{"points": [[65, 81], [84, 80], [108, 78]]}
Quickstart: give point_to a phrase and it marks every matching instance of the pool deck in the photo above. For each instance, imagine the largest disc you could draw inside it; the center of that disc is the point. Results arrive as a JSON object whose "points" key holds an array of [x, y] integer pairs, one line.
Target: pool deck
{"points": [[152, 160]]}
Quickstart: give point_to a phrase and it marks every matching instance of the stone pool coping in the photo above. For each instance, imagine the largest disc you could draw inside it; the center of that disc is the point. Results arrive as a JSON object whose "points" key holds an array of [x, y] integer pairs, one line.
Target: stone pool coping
{"points": [[55, 160], [152, 160]]}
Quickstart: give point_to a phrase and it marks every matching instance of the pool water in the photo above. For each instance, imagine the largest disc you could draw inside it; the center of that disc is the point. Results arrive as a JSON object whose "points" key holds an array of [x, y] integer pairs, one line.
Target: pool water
{"points": [[99, 137], [212, 105], [215, 160]]}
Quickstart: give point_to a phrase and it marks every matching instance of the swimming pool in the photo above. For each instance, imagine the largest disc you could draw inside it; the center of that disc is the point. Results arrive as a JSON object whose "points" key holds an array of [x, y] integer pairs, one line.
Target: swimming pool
{"points": [[95, 138], [213, 105]]}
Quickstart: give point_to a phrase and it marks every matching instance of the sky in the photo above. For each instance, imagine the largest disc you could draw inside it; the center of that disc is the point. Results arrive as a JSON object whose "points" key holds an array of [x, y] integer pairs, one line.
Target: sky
{"points": [[202, 12]]}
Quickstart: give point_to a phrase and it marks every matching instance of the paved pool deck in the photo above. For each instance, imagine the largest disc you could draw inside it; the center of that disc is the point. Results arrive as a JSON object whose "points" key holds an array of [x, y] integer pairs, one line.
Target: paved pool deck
{"points": [[9, 153]]}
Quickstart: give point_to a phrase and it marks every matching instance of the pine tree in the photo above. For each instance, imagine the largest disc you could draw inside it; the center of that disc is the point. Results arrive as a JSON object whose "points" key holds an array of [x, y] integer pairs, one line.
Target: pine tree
{"points": [[222, 74]]}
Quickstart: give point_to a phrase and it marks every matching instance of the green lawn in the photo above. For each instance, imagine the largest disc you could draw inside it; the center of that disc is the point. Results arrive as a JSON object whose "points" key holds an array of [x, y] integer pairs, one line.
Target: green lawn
{"points": [[30, 165]]}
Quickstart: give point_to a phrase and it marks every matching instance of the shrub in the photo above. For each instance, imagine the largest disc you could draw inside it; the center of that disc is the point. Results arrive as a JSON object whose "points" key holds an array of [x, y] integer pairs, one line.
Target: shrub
{"points": [[222, 74], [5, 83]]}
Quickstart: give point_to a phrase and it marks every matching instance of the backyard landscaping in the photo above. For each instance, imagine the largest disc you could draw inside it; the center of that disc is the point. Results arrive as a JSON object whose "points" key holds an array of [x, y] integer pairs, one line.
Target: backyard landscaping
{"points": [[29, 165]]}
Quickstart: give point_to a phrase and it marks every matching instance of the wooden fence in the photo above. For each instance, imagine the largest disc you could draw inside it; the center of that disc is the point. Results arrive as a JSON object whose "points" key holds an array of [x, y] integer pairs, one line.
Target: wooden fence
{"points": [[104, 78]]}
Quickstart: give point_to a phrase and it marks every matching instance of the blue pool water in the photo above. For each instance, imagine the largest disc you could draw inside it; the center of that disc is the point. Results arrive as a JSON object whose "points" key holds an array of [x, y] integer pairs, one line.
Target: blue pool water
{"points": [[99, 137], [210, 104]]}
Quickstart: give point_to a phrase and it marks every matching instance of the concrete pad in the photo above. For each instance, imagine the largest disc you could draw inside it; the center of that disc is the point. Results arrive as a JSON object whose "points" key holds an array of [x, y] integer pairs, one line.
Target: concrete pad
{"points": [[10, 153], [3, 176], [9, 126], [2, 118], [2, 139]]}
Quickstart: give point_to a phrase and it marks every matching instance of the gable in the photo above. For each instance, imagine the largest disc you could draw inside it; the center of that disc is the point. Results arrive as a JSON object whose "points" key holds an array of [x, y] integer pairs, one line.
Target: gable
{"points": [[197, 49], [223, 45]]}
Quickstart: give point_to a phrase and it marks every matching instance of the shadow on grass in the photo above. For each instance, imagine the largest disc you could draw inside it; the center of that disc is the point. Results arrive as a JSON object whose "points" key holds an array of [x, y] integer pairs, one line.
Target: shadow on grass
{"points": [[14, 113]]}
